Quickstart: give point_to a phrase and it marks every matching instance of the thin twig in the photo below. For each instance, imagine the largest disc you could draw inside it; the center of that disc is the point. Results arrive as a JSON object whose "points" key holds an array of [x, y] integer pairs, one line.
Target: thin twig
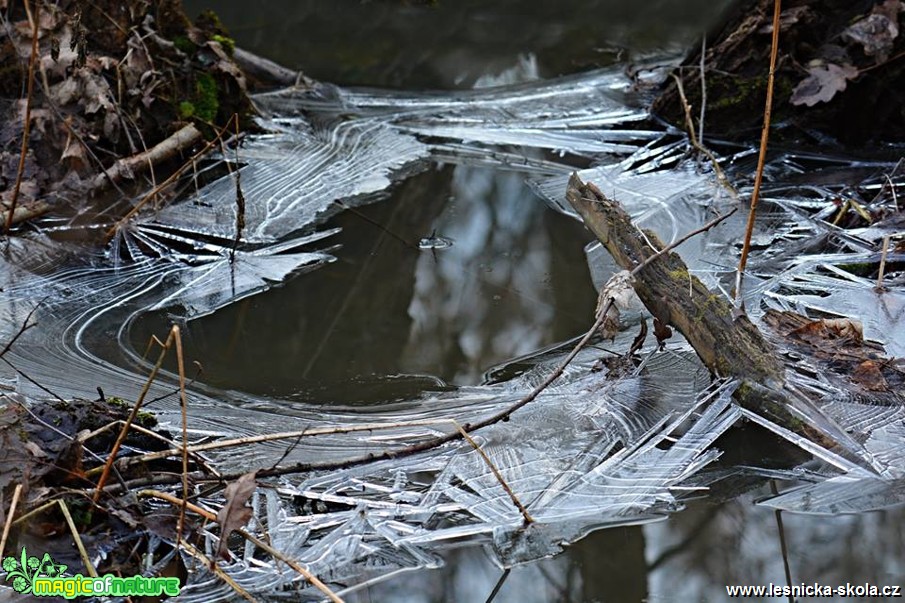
{"points": [[703, 91], [25, 326], [176, 448], [36, 511], [26, 128], [497, 475], [689, 125], [883, 262], [188, 548], [761, 158], [9, 518]]}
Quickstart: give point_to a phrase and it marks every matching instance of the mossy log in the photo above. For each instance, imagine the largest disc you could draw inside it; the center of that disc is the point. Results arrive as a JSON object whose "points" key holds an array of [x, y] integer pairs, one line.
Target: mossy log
{"points": [[728, 344]]}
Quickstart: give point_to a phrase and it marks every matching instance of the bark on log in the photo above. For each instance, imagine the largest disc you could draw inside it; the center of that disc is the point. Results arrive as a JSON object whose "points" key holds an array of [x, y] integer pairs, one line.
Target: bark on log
{"points": [[728, 345], [130, 167]]}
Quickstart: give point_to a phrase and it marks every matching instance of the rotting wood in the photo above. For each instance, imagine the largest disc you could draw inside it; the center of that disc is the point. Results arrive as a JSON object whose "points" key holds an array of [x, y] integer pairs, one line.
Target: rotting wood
{"points": [[728, 345]]}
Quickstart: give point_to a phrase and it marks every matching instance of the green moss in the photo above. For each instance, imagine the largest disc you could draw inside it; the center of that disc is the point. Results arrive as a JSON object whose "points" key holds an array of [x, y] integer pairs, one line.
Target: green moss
{"points": [[186, 110], [206, 101], [228, 44], [741, 91], [679, 274], [184, 44]]}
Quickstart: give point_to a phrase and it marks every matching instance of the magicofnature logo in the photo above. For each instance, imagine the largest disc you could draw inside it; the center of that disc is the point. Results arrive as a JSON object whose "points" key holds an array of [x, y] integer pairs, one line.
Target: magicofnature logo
{"points": [[43, 577]]}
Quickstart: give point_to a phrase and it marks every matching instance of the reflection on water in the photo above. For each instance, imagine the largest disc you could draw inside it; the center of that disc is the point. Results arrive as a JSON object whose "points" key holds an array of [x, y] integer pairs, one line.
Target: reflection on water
{"points": [[513, 280], [451, 43], [489, 297]]}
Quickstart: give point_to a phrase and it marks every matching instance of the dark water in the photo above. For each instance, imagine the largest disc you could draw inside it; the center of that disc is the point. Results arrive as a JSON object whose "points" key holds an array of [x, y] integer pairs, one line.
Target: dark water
{"points": [[389, 319], [450, 43]]}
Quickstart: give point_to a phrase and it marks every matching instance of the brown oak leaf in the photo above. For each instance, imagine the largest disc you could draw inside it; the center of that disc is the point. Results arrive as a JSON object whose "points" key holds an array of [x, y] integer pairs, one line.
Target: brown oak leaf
{"points": [[234, 514], [822, 83]]}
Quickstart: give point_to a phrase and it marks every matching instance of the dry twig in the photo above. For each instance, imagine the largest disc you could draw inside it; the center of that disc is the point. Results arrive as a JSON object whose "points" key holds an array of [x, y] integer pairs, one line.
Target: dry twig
{"points": [[761, 158], [9, 518], [26, 128], [697, 144]]}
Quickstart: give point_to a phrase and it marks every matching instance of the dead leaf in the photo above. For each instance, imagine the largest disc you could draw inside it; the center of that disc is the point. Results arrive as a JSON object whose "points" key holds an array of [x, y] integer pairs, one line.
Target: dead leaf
{"points": [[35, 450], [75, 154], [661, 331], [234, 514], [620, 289], [869, 376], [822, 83], [876, 33], [819, 332]]}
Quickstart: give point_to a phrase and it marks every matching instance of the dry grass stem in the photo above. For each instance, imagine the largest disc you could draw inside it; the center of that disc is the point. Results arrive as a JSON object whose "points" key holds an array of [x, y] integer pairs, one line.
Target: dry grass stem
{"points": [[78, 539], [26, 128], [762, 156], [9, 518]]}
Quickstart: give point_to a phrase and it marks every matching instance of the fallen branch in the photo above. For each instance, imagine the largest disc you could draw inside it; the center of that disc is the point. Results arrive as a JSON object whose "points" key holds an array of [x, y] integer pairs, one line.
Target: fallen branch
{"points": [[266, 71], [129, 167], [728, 346], [727, 343]]}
